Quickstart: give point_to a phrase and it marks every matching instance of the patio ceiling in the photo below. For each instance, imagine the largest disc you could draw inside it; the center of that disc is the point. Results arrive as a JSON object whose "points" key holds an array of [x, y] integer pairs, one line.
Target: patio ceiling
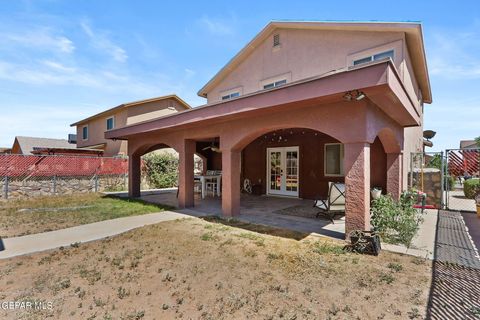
{"points": [[379, 81]]}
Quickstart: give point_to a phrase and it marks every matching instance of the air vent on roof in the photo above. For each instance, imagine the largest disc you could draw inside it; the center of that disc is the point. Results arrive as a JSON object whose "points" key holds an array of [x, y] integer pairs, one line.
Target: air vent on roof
{"points": [[276, 40]]}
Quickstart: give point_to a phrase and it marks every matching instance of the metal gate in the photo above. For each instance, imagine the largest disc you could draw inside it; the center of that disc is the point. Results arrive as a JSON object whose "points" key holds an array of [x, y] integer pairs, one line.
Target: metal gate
{"points": [[462, 178]]}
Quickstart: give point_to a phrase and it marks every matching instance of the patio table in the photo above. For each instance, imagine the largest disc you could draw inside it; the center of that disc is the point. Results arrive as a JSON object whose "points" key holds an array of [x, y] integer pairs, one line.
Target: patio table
{"points": [[204, 178]]}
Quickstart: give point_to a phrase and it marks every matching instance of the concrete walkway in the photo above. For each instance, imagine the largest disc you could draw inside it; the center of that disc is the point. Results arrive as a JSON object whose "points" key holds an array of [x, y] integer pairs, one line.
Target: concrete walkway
{"points": [[423, 244], [18, 246]]}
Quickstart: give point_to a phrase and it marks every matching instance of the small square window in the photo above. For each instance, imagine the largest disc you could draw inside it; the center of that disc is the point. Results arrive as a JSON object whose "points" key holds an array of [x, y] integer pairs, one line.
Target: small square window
{"points": [[110, 123], [269, 86], [231, 95], [276, 40], [333, 159], [383, 55], [360, 61]]}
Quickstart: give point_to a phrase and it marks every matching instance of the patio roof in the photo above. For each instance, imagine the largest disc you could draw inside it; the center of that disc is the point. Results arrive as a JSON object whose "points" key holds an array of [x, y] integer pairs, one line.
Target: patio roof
{"points": [[378, 80]]}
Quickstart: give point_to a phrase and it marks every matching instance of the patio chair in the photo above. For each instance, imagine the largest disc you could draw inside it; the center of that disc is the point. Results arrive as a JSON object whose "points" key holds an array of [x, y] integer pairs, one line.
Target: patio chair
{"points": [[334, 204]]}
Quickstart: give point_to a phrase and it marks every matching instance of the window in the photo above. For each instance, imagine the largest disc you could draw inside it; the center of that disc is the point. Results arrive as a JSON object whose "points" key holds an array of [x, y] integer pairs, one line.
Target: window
{"points": [[375, 57], [85, 133], [333, 159], [110, 123], [231, 95], [275, 84], [276, 40]]}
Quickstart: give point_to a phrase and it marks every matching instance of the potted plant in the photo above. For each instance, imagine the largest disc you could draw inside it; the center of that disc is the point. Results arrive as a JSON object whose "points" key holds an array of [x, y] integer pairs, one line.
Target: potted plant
{"points": [[376, 192]]}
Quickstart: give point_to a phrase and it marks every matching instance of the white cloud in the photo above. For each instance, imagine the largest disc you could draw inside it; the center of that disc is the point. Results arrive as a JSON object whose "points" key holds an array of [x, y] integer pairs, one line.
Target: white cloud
{"points": [[41, 38], [215, 26], [454, 55], [100, 40]]}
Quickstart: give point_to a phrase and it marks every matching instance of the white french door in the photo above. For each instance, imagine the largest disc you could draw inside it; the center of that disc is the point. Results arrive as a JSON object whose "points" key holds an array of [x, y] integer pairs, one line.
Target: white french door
{"points": [[282, 171]]}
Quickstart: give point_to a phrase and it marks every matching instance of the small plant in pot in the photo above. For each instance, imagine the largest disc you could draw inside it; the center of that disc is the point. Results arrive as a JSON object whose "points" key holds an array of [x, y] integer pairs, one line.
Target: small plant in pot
{"points": [[376, 192]]}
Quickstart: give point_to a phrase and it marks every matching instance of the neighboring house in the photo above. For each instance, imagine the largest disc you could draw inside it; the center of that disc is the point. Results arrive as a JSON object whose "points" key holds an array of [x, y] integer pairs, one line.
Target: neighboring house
{"points": [[469, 144], [302, 104], [91, 131], [47, 146], [5, 150]]}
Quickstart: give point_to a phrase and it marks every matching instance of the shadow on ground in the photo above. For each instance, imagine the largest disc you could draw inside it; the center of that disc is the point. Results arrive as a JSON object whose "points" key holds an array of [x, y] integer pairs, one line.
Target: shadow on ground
{"points": [[272, 231], [455, 288]]}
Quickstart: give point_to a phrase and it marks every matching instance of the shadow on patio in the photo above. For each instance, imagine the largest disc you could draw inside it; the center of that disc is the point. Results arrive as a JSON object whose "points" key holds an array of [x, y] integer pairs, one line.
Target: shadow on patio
{"points": [[292, 214]]}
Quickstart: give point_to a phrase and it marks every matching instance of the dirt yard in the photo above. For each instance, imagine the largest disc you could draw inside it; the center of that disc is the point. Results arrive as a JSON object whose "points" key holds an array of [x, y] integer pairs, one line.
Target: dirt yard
{"points": [[196, 269], [22, 217]]}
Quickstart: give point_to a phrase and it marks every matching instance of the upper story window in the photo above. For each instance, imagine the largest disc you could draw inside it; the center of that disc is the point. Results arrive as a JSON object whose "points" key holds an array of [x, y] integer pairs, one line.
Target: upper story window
{"points": [[110, 123], [275, 84], [85, 133], [378, 56], [276, 40], [231, 95]]}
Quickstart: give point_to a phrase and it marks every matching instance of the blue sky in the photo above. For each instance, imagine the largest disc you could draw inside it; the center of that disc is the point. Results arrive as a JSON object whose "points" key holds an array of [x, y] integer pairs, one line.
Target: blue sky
{"points": [[61, 61]]}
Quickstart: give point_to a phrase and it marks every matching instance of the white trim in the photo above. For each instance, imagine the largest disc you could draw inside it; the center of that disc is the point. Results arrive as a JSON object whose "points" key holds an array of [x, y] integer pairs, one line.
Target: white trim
{"points": [[342, 156], [88, 133], [282, 192], [106, 123]]}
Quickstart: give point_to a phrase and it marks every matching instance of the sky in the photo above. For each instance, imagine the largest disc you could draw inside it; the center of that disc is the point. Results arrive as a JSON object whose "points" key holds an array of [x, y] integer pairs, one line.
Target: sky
{"points": [[62, 61]]}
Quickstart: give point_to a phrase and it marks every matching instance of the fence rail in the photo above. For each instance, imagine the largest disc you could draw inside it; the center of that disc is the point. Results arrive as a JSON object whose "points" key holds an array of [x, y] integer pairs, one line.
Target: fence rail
{"points": [[32, 175]]}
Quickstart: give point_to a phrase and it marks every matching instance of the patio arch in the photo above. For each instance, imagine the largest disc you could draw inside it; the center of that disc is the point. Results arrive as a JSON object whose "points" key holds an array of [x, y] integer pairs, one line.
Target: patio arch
{"points": [[389, 140], [391, 160], [239, 142], [309, 178]]}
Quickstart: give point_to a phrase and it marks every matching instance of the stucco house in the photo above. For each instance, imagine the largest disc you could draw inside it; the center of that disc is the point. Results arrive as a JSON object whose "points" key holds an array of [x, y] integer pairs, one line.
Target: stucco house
{"points": [[90, 131], [302, 104], [48, 146], [468, 144]]}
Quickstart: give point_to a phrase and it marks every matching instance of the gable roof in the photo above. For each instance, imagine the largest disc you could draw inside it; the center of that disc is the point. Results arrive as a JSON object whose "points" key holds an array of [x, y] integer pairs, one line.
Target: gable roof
{"points": [[131, 104], [412, 30], [29, 144]]}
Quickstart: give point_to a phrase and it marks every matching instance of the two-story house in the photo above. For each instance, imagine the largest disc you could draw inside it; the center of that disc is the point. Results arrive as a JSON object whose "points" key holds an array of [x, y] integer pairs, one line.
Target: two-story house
{"points": [[302, 104], [91, 131]]}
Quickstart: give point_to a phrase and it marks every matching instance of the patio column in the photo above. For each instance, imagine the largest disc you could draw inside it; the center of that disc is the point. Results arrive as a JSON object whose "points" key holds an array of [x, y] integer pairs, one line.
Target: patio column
{"points": [[394, 174], [357, 186], [185, 173], [230, 183], [134, 175]]}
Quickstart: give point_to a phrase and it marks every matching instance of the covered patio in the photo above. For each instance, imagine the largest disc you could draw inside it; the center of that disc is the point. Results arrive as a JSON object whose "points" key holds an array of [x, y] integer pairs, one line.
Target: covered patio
{"points": [[369, 131], [270, 211]]}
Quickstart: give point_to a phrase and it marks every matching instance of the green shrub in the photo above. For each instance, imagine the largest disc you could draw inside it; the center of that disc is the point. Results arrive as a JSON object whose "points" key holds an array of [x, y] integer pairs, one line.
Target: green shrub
{"points": [[471, 187], [160, 170], [449, 182], [395, 221]]}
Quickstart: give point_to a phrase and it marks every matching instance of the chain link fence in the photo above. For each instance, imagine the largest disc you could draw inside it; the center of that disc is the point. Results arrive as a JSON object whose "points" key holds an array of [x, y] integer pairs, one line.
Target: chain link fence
{"points": [[463, 166], [31, 175]]}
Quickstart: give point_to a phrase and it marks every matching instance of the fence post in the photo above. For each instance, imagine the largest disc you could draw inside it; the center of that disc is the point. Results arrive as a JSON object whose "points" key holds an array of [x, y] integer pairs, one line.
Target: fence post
{"points": [[96, 182], [443, 178], [6, 187], [54, 184]]}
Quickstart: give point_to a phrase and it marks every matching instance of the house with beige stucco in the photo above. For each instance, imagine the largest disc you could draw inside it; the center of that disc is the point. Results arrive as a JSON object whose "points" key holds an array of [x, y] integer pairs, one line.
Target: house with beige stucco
{"points": [[303, 104], [91, 130]]}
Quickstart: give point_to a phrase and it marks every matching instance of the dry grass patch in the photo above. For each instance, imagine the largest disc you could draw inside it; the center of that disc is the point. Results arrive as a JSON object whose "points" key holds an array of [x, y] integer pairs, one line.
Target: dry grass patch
{"points": [[195, 269], [27, 216]]}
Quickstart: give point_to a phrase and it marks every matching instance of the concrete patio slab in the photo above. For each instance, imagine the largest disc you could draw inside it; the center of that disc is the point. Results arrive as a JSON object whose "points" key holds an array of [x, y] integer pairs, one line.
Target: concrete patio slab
{"points": [[257, 210]]}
